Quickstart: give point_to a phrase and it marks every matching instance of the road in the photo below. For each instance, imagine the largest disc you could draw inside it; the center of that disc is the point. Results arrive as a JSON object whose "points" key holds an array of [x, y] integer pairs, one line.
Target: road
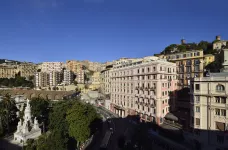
{"points": [[120, 128]]}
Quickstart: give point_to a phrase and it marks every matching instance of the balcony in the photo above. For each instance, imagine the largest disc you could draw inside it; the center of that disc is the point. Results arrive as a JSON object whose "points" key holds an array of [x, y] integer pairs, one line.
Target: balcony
{"points": [[152, 105]]}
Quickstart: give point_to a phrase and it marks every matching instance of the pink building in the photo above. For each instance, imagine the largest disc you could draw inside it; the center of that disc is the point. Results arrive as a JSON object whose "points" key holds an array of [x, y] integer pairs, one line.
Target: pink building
{"points": [[142, 88]]}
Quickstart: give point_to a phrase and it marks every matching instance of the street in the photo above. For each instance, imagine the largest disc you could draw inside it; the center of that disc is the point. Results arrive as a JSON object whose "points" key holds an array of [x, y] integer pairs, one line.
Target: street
{"points": [[120, 126]]}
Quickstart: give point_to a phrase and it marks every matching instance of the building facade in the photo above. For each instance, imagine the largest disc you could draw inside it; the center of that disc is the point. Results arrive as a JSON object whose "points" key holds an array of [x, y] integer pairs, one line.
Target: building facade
{"points": [[189, 65], [207, 59], [52, 66], [8, 71], [42, 79], [209, 109], [27, 69], [67, 77], [218, 44], [143, 88], [55, 78], [77, 68]]}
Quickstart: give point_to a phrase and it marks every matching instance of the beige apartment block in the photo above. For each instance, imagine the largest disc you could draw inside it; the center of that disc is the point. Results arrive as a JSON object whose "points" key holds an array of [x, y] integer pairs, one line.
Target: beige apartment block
{"points": [[42, 79], [27, 69], [209, 105], [52, 66], [142, 88], [55, 78], [106, 80], [77, 68], [190, 64], [8, 71]]}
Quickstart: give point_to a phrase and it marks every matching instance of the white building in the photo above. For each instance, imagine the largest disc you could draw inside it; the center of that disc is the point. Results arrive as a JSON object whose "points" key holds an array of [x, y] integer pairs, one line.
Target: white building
{"points": [[23, 133], [209, 105], [67, 77], [42, 79], [55, 78]]}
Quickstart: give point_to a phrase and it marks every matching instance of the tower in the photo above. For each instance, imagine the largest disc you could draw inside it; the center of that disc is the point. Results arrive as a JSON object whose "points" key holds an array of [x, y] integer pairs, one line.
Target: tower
{"points": [[183, 41], [218, 37]]}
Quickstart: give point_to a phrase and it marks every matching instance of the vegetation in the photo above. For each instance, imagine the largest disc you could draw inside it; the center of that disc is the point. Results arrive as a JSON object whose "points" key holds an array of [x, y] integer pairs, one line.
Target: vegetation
{"points": [[8, 116], [204, 45], [16, 82], [70, 122], [40, 108]]}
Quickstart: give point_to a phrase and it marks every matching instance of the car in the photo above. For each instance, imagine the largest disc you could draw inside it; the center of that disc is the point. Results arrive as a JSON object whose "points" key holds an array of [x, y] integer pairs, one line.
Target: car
{"points": [[111, 129]]}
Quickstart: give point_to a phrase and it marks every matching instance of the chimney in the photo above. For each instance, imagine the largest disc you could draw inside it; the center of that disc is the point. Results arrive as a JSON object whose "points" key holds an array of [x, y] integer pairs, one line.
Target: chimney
{"points": [[218, 37], [183, 41]]}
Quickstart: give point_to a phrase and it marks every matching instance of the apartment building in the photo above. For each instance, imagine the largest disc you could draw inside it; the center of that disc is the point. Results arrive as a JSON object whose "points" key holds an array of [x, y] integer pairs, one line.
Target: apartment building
{"points": [[77, 68], [142, 87], [209, 105], [42, 79], [8, 71], [68, 77], [55, 78], [27, 69], [207, 59], [219, 43], [106, 80], [189, 65], [52, 66]]}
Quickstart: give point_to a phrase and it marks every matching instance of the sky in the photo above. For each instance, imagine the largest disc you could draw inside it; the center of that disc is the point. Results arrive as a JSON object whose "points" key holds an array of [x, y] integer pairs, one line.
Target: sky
{"points": [[104, 30]]}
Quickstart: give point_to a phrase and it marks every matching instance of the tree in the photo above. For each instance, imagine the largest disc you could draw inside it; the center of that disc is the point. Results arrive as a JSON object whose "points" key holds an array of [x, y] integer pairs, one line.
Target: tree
{"points": [[181, 48], [58, 125], [7, 112], [80, 117], [39, 108], [75, 83]]}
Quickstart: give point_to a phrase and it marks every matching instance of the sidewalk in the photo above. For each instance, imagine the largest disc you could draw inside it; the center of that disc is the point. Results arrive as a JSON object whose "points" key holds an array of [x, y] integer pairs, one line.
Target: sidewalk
{"points": [[110, 112]]}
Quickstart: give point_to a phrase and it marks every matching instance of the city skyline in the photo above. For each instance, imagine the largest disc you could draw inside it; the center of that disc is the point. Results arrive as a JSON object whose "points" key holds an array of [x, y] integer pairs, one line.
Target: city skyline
{"points": [[103, 31]]}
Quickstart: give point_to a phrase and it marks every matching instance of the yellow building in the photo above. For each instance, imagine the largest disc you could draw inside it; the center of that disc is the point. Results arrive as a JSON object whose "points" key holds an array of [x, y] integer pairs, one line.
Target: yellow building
{"points": [[189, 65], [207, 59], [8, 71], [27, 69], [96, 81]]}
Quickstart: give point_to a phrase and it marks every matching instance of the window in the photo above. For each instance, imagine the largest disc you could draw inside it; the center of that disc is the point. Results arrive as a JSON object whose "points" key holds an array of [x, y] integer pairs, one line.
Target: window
{"points": [[197, 121], [220, 139], [138, 70], [197, 99], [163, 111], [160, 68], [223, 112], [217, 112], [197, 87], [154, 68], [223, 100], [217, 99], [148, 69], [197, 109], [220, 88]]}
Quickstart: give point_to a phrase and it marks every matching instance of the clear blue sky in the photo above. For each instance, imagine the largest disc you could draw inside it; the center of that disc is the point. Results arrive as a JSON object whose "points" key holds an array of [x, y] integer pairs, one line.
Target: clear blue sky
{"points": [[104, 30]]}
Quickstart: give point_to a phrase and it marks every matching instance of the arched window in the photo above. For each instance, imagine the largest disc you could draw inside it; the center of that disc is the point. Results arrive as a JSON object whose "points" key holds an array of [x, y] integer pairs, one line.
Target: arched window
{"points": [[220, 88]]}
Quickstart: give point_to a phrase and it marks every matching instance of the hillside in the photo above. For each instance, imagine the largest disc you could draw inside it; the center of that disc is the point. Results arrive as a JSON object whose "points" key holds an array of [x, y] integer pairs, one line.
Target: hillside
{"points": [[176, 48], [11, 61]]}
